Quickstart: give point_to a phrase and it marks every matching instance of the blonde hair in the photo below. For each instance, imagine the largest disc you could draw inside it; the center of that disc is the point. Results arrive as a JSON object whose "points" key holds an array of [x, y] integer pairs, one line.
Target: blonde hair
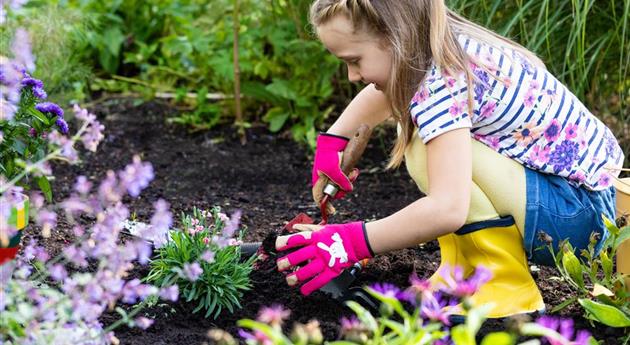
{"points": [[418, 33]]}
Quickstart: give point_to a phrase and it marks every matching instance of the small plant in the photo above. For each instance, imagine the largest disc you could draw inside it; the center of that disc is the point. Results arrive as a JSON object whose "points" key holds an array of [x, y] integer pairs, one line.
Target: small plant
{"points": [[418, 315], [204, 260], [600, 291]]}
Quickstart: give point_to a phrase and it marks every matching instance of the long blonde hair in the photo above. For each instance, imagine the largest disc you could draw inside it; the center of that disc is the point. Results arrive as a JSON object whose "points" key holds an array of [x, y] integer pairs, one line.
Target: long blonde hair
{"points": [[418, 33]]}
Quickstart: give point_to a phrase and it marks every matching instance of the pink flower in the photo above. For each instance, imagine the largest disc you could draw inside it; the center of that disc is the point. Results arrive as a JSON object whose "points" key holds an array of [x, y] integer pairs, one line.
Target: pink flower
{"points": [[421, 95], [604, 180], [578, 176], [534, 85], [529, 99], [456, 108], [540, 154], [492, 142], [274, 315], [487, 109], [570, 131]]}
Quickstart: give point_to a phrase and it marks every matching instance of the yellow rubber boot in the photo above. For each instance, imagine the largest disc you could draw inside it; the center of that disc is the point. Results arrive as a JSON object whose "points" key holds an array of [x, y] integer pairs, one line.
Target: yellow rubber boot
{"points": [[450, 256], [498, 246]]}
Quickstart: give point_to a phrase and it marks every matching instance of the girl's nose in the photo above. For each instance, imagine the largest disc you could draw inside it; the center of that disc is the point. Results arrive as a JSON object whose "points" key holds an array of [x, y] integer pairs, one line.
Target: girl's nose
{"points": [[353, 74]]}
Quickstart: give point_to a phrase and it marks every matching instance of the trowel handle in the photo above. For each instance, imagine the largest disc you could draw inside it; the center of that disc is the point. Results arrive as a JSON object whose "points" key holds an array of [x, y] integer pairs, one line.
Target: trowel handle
{"points": [[351, 155]]}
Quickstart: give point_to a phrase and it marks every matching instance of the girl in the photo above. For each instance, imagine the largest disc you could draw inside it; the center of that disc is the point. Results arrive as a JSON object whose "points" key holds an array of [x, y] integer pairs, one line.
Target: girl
{"points": [[506, 155]]}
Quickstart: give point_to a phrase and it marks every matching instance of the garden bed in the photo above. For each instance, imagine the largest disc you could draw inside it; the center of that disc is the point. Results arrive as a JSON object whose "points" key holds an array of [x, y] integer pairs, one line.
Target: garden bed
{"points": [[268, 179]]}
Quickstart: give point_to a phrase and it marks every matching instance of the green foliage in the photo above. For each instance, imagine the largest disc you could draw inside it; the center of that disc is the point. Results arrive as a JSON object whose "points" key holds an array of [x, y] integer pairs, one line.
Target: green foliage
{"points": [[185, 46], [57, 35], [24, 141], [601, 292], [224, 277]]}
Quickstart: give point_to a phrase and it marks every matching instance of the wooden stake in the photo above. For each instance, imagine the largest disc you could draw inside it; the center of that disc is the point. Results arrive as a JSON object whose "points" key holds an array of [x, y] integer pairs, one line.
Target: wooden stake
{"points": [[237, 78]]}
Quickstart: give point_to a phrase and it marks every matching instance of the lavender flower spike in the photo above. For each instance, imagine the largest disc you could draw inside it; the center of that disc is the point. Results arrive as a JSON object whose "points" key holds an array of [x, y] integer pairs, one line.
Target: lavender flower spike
{"points": [[136, 176], [21, 48], [49, 107]]}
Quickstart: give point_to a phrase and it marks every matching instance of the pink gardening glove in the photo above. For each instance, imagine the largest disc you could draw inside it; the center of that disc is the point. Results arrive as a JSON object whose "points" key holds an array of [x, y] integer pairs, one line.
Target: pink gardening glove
{"points": [[329, 146], [326, 252]]}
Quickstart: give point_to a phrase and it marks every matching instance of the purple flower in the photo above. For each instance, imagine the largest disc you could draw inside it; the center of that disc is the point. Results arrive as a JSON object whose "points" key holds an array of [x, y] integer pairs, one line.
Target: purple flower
{"points": [[563, 155], [49, 107], [46, 219], [21, 48], [566, 330], [481, 84], [160, 224], [62, 124], [32, 82], [436, 308], [386, 289], [93, 133], [208, 256], [76, 256], [552, 132], [58, 272], [136, 176], [192, 271], [170, 293], [454, 283], [7, 109], [82, 186], [232, 225], [143, 322], [350, 325]]}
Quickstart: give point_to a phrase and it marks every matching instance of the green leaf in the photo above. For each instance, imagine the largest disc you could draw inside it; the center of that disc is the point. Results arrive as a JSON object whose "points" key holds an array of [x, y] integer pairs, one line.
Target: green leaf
{"points": [[606, 314], [498, 338], [276, 117], [607, 264], [624, 235], [461, 336], [563, 305], [610, 225], [572, 265], [113, 39], [19, 146], [282, 88], [44, 185]]}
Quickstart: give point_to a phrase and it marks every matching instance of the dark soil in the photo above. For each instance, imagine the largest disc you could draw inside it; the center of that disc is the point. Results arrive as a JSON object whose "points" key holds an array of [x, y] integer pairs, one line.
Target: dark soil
{"points": [[268, 179]]}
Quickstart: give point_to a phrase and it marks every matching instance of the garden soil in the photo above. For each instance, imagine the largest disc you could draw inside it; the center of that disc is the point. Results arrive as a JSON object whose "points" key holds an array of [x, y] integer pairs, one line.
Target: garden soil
{"points": [[268, 179]]}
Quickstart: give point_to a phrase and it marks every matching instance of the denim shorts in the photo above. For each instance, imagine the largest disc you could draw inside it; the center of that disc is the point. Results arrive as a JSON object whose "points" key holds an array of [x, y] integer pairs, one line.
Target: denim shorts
{"points": [[563, 211]]}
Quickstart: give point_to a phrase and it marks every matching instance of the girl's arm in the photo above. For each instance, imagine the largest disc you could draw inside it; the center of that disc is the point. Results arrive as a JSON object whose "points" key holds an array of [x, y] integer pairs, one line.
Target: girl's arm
{"points": [[370, 106], [443, 210]]}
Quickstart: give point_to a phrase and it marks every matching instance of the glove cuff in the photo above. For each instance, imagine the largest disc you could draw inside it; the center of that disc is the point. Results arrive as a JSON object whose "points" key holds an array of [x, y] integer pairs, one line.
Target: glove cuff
{"points": [[332, 142], [362, 249]]}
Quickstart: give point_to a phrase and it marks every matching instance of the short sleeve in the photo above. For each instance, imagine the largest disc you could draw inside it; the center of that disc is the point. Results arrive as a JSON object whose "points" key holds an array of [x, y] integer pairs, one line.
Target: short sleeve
{"points": [[440, 105]]}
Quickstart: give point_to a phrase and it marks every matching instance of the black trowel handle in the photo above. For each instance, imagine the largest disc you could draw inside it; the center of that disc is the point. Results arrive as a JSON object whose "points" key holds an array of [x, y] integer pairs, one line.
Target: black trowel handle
{"points": [[351, 155]]}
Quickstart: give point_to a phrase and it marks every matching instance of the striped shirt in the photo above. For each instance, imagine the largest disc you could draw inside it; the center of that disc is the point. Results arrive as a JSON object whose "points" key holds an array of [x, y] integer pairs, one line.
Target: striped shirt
{"points": [[523, 112]]}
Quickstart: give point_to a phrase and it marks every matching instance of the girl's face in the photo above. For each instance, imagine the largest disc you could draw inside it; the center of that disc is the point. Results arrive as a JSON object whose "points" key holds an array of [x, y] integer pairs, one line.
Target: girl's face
{"points": [[366, 56]]}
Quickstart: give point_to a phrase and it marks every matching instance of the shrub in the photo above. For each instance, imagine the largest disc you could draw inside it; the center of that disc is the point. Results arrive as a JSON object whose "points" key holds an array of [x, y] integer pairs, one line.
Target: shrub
{"points": [[204, 260]]}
